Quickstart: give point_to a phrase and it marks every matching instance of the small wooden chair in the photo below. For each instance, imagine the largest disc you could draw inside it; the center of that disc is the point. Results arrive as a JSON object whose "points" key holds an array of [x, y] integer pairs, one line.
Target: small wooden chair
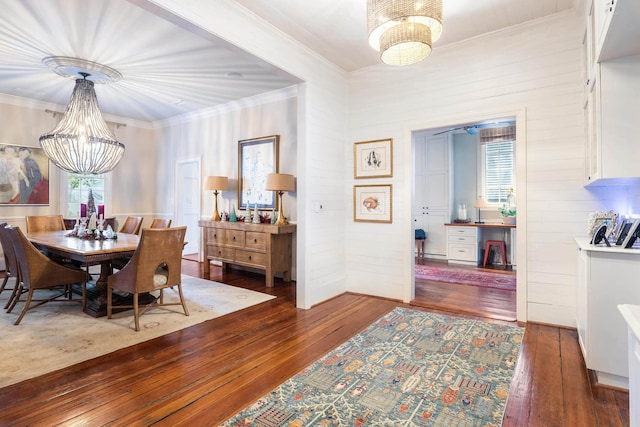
{"points": [[502, 247], [155, 265], [131, 225], [421, 237]]}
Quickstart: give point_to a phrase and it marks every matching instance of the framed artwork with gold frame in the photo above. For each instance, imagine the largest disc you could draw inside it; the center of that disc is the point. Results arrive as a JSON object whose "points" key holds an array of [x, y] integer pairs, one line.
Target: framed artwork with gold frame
{"points": [[372, 203], [373, 159], [257, 158]]}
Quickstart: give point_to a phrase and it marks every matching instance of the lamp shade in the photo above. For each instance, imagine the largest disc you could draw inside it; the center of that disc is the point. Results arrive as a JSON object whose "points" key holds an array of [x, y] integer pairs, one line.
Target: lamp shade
{"points": [[216, 183], [479, 203], [280, 182], [403, 30]]}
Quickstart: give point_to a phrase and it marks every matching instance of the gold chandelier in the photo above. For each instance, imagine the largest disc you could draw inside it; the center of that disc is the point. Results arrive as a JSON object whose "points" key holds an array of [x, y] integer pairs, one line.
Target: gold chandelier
{"points": [[403, 31]]}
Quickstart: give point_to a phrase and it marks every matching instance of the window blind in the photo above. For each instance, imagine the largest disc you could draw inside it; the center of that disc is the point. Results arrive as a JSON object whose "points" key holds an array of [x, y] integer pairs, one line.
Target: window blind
{"points": [[499, 156]]}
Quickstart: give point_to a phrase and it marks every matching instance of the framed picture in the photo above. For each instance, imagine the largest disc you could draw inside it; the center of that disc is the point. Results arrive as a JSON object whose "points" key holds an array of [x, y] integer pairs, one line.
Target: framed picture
{"points": [[372, 203], [596, 219], [257, 158], [24, 175], [373, 159]]}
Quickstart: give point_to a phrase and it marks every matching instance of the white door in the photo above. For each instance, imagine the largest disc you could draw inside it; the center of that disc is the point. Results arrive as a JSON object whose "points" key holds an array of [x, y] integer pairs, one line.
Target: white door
{"points": [[432, 186], [188, 202]]}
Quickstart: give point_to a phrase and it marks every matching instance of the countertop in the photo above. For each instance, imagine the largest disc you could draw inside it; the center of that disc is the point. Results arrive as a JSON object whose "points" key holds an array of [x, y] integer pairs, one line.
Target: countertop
{"points": [[483, 225], [583, 243], [631, 314]]}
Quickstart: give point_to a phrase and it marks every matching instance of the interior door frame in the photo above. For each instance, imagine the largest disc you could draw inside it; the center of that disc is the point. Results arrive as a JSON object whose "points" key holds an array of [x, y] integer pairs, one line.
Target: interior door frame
{"points": [[178, 195], [519, 112]]}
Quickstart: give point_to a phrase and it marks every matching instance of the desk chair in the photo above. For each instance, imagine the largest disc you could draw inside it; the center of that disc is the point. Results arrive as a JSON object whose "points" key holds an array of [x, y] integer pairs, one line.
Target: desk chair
{"points": [[502, 247], [421, 237]]}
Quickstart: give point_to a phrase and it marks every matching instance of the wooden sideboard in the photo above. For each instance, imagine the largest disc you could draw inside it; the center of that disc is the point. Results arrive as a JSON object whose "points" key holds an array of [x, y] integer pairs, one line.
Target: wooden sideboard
{"points": [[262, 246]]}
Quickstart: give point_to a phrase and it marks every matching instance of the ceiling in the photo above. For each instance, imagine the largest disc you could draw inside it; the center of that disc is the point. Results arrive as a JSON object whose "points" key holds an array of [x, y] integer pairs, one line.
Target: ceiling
{"points": [[170, 69]]}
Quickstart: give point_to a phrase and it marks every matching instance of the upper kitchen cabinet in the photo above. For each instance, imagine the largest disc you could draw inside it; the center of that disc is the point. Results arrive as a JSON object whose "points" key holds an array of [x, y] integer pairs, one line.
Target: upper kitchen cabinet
{"points": [[616, 32], [612, 110]]}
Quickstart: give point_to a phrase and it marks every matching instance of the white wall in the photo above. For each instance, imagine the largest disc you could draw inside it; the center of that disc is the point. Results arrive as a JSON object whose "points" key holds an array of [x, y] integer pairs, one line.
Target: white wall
{"points": [[22, 121], [322, 101], [535, 67], [213, 138]]}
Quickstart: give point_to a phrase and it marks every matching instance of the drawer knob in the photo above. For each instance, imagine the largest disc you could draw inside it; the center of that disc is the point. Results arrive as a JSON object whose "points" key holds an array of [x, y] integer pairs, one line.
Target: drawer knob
{"points": [[249, 257], [255, 240], [215, 236], [234, 237]]}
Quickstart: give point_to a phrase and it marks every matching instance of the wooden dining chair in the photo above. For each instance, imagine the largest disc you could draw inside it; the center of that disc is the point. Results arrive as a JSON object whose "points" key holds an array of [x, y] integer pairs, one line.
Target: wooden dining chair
{"points": [[38, 223], [11, 270], [37, 272], [155, 265], [160, 223], [131, 225]]}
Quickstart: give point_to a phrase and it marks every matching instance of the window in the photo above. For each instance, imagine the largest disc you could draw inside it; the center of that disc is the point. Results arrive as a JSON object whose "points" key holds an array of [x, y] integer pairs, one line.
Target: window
{"points": [[497, 154], [78, 189]]}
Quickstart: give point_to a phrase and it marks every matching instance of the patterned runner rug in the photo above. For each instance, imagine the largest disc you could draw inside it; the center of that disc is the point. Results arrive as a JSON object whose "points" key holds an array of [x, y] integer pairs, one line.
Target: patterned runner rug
{"points": [[410, 368], [465, 276]]}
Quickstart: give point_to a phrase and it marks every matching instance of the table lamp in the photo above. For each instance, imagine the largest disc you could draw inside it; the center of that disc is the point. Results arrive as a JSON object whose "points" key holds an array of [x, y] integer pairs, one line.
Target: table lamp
{"points": [[217, 184], [280, 182], [478, 204]]}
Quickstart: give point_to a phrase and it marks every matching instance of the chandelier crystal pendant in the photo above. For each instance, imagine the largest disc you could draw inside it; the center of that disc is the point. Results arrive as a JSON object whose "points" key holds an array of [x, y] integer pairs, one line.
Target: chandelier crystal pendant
{"points": [[82, 142], [403, 31]]}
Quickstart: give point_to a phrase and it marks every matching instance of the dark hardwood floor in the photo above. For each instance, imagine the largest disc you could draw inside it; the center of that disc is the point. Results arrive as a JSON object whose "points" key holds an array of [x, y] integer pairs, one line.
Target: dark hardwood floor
{"points": [[202, 375], [474, 300]]}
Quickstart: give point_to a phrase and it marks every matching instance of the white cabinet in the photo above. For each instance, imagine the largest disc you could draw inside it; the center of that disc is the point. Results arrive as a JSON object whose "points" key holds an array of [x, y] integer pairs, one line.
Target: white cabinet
{"points": [[612, 109], [432, 187], [607, 277], [463, 244], [616, 29], [631, 314]]}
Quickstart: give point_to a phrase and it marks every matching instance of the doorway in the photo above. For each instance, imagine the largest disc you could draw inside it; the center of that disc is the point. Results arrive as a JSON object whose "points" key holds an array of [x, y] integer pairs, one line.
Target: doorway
{"points": [[188, 203], [441, 189]]}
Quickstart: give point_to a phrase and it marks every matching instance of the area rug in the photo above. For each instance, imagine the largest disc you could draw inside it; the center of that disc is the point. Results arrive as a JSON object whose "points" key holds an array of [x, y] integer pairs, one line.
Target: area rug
{"points": [[462, 276], [410, 368], [57, 335]]}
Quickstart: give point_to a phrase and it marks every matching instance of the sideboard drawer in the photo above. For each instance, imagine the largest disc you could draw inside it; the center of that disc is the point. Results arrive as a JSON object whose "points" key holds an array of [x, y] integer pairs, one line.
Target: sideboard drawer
{"points": [[248, 257], [255, 240], [216, 236], [221, 252], [234, 238], [463, 252]]}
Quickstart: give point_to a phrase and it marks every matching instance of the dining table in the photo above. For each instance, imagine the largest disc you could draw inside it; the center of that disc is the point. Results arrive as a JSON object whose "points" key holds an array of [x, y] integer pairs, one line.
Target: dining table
{"points": [[87, 252]]}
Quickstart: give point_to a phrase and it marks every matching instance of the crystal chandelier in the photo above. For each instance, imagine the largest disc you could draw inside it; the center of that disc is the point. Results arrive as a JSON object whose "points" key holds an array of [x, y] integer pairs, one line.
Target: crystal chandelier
{"points": [[82, 143], [403, 31]]}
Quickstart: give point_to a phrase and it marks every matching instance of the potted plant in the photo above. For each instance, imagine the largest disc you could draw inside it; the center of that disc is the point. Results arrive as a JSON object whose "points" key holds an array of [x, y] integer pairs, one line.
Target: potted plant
{"points": [[508, 215]]}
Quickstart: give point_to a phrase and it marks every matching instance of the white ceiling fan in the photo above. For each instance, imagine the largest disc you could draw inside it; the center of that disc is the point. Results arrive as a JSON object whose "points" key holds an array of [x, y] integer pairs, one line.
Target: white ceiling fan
{"points": [[474, 129]]}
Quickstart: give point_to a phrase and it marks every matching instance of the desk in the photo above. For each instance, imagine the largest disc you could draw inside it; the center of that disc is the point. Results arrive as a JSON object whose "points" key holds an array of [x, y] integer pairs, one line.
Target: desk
{"points": [[464, 241], [89, 252]]}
